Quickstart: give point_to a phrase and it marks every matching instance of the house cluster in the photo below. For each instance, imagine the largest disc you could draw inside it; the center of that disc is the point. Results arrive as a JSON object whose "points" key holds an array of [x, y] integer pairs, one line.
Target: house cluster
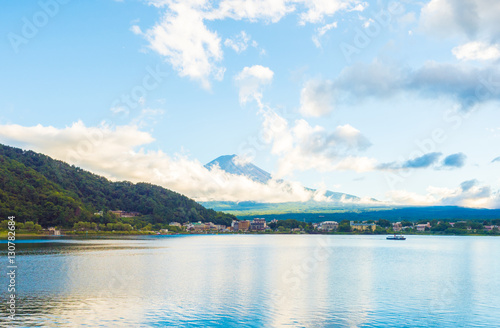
{"points": [[200, 226], [398, 226], [120, 214], [355, 226], [254, 225], [125, 214]]}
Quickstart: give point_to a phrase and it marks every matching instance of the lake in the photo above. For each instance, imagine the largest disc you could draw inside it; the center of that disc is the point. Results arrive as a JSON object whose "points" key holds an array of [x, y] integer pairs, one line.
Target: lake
{"points": [[257, 281]]}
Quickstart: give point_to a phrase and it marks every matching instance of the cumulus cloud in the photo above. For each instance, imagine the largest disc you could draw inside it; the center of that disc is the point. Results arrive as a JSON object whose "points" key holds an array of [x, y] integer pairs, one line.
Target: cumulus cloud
{"points": [[471, 194], [468, 85], [182, 37], [468, 194], [477, 50], [317, 98], [467, 18], [250, 82], [301, 146], [455, 160], [118, 153]]}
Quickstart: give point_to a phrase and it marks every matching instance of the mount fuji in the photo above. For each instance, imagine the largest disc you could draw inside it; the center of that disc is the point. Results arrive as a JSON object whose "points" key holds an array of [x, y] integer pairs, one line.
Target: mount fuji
{"points": [[231, 164]]}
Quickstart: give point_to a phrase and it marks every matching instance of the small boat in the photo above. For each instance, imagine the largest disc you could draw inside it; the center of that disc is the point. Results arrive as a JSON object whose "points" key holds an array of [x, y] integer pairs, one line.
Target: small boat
{"points": [[396, 237]]}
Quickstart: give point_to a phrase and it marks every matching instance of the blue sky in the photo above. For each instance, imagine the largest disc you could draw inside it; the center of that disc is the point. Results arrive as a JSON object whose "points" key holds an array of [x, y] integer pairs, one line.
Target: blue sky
{"points": [[392, 100]]}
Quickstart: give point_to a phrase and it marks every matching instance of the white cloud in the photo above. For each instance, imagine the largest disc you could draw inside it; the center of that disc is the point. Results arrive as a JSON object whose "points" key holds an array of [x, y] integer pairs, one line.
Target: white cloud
{"points": [[320, 31], [251, 80], [240, 42], [304, 147], [118, 154], [185, 41], [473, 19], [468, 194], [468, 85], [317, 98], [194, 51], [318, 9], [147, 116], [136, 30], [253, 10], [477, 50], [119, 109]]}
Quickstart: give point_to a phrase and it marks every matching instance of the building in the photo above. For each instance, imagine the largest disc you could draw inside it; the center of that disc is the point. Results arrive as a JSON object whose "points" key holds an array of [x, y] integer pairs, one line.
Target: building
{"points": [[491, 227], [422, 227], [328, 226], [244, 225], [175, 224], [397, 226], [220, 227], [197, 227], [240, 225], [258, 224], [54, 232], [124, 214], [235, 225], [363, 226]]}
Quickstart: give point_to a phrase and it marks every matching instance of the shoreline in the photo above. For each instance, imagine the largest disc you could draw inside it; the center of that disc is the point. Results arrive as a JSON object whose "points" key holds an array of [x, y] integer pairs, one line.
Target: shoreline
{"points": [[3, 234]]}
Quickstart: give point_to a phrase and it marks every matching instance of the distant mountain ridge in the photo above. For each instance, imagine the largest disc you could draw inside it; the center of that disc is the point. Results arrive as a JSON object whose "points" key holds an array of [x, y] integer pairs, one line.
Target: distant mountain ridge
{"points": [[230, 164]]}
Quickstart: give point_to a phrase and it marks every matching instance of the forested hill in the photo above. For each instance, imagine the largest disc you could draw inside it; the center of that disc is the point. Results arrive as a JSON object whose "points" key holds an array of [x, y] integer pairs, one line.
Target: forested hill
{"points": [[38, 188]]}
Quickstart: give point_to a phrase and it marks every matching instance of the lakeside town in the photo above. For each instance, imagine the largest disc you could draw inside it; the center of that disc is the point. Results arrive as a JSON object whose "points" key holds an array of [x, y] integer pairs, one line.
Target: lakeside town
{"points": [[261, 225], [368, 227]]}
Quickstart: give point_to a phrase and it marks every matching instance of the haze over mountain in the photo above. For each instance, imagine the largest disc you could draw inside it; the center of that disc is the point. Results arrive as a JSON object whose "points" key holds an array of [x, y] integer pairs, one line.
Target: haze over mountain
{"points": [[233, 165], [340, 205], [329, 200]]}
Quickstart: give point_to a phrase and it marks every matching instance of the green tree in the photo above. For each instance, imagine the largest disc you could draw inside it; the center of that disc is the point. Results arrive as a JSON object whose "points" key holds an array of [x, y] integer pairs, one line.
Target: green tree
{"points": [[344, 226], [476, 226], [384, 223]]}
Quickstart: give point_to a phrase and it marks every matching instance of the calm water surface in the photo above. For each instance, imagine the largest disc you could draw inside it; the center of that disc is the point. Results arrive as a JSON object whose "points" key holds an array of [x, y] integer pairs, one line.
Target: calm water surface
{"points": [[257, 281]]}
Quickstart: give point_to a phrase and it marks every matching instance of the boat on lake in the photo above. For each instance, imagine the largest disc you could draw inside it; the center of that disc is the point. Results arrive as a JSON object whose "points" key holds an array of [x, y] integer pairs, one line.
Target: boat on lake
{"points": [[396, 237]]}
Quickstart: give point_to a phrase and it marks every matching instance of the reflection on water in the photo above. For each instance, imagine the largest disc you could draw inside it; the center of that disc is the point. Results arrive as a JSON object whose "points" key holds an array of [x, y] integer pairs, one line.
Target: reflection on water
{"points": [[256, 281]]}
